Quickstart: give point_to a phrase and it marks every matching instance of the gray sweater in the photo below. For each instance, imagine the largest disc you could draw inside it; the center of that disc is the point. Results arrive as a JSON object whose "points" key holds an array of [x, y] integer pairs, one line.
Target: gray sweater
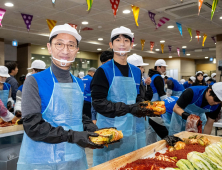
{"points": [[31, 101]]}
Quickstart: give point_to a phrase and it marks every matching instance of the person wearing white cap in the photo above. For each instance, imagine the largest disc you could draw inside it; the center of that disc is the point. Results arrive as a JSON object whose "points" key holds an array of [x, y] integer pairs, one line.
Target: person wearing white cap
{"points": [[52, 103], [200, 101], [189, 83], [115, 89], [205, 75], [5, 93], [182, 81], [80, 75], [213, 76], [199, 79], [209, 81], [37, 66]]}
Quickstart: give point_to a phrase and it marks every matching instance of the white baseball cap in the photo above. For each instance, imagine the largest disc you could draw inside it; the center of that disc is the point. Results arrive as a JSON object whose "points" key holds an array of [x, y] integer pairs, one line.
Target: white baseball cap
{"points": [[193, 78], [66, 28], [217, 89], [205, 75], [160, 62], [207, 78], [4, 71], [136, 60], [81, 74], [199, 72], [213, 74], [182, 81], [121, 30], [38, 64]]}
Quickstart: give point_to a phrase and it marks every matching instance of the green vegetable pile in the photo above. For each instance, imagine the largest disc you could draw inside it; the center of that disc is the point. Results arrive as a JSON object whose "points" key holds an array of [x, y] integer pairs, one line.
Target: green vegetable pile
{"points": [[211, 159]]}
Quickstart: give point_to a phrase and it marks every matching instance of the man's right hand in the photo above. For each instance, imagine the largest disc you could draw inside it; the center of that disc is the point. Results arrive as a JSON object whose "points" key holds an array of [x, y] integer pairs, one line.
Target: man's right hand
{"points": [[82, 139]]}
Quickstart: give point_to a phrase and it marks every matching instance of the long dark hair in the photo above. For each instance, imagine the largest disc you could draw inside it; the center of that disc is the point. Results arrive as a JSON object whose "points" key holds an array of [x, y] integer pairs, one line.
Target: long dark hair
{"points": [[199, 83]]}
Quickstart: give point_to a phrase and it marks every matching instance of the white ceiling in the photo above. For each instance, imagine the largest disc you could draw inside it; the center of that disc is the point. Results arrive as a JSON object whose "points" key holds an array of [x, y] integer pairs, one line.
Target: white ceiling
{"points": [[75, 11]]}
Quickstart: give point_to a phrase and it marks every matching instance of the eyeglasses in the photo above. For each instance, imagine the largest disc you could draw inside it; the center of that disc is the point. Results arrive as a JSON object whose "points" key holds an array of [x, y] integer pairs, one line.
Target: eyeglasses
{"points": [[61, 46]]}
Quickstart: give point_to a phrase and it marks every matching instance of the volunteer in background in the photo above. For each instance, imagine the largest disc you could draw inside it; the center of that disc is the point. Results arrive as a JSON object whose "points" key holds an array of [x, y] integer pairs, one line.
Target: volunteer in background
{"points": [[13, 70], [209, 81], [36, 67], [213, 76], [115, 89], [174, 88], [199, 79], [104, 57], [80, 75], [189, 82], [197, 100], [182, 81], [52, 103], [87, 92]]}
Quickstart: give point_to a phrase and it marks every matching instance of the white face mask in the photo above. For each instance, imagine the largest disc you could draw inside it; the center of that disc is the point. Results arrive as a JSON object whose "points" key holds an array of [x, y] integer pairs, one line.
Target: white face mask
{"points": [[2, 82], [122, 53], [63, 62]]}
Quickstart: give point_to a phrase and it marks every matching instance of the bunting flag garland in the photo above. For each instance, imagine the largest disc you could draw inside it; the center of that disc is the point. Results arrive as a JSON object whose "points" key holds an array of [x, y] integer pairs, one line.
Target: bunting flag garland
{"points": [[178, 51], [184, 51], [27, 19], [136, 11], [86, 29], [2, 13], [89, 3], [204, 39], [73, 25], [180, 28], [115, 5], [162, 48], [170, 48], [213, 38], [214, 5], [142, 43], [200, 5], [198, 35], [190, 31], [162, 21], [152, 17], [51, 24], [151, 45]]}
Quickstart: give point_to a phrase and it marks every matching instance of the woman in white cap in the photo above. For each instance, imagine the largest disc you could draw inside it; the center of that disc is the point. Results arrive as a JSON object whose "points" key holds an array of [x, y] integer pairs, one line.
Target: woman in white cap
{"points": [[199, 79], [36, 67], [209, 81], [52, 103], [213, 76], [198, 100], [115, 89], [189, 83]]}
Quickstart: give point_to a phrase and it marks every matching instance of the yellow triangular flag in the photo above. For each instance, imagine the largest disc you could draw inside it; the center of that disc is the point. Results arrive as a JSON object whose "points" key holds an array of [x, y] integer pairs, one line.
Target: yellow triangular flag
{"points": [[204, 39], [136, 11], [89, 3], [142, 43], [162, 47], [51, 24]]}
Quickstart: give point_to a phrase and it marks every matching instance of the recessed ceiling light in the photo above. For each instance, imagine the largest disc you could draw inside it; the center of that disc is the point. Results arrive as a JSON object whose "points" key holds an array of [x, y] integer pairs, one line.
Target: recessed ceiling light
{"points": [[134, 45], [215, 43], [206, 57], [9, 4], [126, 11], [83, 62], [188, 54], [170, 26], [162, 41], [170, 56], [220, 17], [197, 36], [99, 49], [43, 48], [84, 22], [184, 46], [100, 39], [157, 49], [99, 26]]}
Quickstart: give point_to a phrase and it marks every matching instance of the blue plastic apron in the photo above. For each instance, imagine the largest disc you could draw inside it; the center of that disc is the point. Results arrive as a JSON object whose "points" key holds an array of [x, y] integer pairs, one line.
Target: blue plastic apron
{"points": [[122, 89], [178, 124], [64, 109], [177, 93], [4, 95]]}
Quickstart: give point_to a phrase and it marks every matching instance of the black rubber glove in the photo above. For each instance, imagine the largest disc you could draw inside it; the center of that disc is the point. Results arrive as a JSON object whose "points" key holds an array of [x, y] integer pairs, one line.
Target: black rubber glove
{"points": [[185, 115], [82, 139], [172, 140], [137, 111]]}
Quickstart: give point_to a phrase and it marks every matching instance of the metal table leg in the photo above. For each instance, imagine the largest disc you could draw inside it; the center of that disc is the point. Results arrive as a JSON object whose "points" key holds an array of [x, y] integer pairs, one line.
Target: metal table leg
{"points": [[216, 131]]}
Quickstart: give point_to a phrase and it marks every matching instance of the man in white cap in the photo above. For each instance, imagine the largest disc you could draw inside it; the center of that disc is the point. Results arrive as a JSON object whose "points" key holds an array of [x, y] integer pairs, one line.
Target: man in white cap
{"points": [[52, 103], [37, 66], [80, 75], [209, 81], [213, 76], [198, 100], [115, 89], [189, 82]]}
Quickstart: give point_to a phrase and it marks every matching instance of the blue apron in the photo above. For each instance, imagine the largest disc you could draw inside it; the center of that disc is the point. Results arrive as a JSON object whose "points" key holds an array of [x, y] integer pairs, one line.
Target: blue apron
{"points": [[122, 89], [178, 124], [4, 95], [64, 109]]}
